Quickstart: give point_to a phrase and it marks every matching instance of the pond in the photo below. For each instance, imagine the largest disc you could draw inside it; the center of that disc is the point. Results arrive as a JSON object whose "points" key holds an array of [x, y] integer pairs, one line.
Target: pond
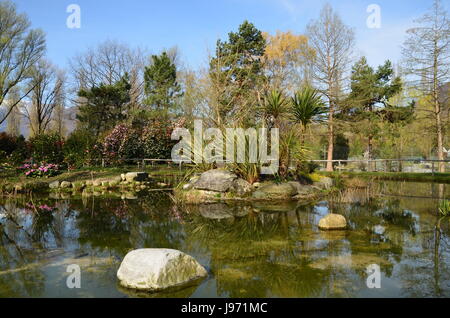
{"points": [[257, 250]]}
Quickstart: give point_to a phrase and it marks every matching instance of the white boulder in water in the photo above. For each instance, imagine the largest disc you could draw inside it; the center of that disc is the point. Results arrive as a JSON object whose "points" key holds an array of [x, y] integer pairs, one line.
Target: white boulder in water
{"points": [[154, 269]]}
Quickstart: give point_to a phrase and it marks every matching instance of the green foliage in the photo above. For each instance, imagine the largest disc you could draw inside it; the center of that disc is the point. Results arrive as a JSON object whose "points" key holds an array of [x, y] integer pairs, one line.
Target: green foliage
{"points": [[105, 106], [47, 148], [156, 141], [307, 106], [161, 87], [7, 144], [341, 147], [291, 149], [247, 171], [79, 147], [306, 167], [368, 102], [444, 207], [236, 70], [274, 108], [241, 52], [370, 93], [13, 149]]}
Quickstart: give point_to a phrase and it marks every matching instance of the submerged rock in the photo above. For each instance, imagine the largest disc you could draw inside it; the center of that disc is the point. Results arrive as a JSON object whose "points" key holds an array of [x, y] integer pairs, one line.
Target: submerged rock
{"points": [[218, 180], [333, 222], [216, 211], [154, 269]]}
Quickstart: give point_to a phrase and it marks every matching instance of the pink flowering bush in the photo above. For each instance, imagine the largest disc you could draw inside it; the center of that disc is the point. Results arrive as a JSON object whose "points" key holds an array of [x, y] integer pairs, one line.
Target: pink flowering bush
{"points": [[123, 142], [156, 139], [152, 141], [40, 171]]}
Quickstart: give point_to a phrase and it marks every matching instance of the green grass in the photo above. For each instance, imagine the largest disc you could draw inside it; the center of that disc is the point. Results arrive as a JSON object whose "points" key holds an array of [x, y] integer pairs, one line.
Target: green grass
{"points": [[395, 176], [13, 177]]}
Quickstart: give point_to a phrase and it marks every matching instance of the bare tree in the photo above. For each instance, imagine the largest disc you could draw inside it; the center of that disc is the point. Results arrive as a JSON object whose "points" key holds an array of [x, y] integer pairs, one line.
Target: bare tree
{"points": [[333, 43], [13, 121], [58, 117], [427, 56], [20, 48], [106, 64], [193, 95], [45, 83]]}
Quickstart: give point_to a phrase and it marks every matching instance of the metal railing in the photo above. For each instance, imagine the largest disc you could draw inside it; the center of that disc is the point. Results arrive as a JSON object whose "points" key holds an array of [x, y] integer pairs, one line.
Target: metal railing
{"points": [[372, 165], [387, 165]]}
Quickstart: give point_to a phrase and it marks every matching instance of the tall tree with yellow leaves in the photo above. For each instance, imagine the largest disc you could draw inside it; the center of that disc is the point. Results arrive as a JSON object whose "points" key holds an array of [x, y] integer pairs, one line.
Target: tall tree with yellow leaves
{"points": [[285, 60]]}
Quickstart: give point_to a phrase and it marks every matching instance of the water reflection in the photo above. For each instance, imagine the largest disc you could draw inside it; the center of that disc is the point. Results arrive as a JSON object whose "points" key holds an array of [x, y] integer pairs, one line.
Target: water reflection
{"points": [[250, 250]]}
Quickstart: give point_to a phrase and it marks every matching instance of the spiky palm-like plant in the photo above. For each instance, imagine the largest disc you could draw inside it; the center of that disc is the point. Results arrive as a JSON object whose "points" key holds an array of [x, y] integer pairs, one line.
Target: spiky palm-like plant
{"points": [[306, 107], [274, 108]]}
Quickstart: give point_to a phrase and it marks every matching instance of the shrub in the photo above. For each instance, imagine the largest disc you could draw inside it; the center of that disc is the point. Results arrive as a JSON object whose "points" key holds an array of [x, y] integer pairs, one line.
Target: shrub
{"points": [[79, 148], [247, 171], [156, 140], [123, 142], [21, 153], [132, 146], [47, 148], [306, 167], [13, 149], [7, 145]]}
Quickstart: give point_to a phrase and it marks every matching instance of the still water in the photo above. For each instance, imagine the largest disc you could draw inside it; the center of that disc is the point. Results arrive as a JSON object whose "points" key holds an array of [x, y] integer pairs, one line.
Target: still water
{"points": [[258, 250]]}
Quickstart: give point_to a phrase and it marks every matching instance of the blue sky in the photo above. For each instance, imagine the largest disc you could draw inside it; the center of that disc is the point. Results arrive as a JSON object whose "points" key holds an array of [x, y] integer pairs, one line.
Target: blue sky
{"points": [[195, 25]]}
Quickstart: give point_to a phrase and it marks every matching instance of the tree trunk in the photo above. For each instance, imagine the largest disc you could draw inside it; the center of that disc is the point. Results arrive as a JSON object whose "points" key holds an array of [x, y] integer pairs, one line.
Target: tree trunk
{"points": [[440, 144], [369, 150], [437, 110], [330, 137]]}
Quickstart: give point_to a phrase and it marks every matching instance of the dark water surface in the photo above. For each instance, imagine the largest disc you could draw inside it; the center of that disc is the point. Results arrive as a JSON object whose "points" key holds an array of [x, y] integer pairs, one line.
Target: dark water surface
{"points": [[258, 250]]}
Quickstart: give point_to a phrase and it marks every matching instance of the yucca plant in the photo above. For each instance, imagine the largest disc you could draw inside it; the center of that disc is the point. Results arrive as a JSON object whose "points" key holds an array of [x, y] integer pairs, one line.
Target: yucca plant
{"points": [[291, 149], [307, 107], [247, 171], [274, 108]]}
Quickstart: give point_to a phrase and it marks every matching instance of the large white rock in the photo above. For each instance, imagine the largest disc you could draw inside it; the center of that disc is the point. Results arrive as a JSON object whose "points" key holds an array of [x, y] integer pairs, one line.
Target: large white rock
{"points": [[154, 269]]}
